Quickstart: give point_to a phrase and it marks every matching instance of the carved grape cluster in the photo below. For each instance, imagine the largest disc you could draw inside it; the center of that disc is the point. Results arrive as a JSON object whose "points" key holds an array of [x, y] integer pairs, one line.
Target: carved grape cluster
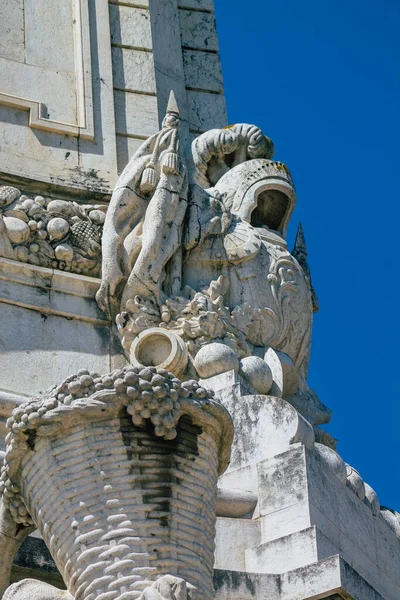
{"points": [[148, 393], [12, 500]]}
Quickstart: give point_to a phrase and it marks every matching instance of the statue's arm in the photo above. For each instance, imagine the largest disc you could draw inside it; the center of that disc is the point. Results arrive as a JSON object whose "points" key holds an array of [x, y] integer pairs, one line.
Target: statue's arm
{"points": [[161, 236]]}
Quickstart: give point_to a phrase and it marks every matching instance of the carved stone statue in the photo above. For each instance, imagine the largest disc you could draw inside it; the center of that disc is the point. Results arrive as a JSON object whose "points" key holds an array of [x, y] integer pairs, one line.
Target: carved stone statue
{"points": [[196, 267], [119, 475]]}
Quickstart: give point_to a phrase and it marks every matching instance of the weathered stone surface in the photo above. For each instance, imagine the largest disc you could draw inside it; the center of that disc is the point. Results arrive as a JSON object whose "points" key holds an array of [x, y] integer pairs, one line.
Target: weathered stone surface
{"points": [[46, 50], [206, 5], [288, 506], [61, 324], [331, 579], [31, 588], [56, 88], [52, 233], [130, 26], [135, 3], [91, 418], [206, 110], [135, 114], [48, 101], [203, 70], [238, 536], [235, 503], [41, 82], [133, 70], [12, 30], [198, 30], [126, 148]]}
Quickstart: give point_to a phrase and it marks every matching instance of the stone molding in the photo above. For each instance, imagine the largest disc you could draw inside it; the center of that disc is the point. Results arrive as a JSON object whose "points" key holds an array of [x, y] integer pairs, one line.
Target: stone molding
{"points": [[50, 292], [37, 110]]}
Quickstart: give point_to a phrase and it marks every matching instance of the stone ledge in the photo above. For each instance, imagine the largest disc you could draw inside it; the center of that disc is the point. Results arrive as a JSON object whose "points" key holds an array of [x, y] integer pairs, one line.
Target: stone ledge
{"points": [[329, 579], [50, 291]]}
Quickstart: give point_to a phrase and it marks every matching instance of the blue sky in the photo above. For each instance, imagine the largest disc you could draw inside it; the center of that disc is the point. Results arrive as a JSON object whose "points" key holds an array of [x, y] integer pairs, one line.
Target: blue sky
{"points": [[322, 79]]}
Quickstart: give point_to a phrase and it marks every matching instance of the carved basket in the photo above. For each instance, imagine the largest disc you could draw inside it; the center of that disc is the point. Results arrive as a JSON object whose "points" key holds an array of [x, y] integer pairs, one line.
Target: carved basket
{"points": [[118, 506]]}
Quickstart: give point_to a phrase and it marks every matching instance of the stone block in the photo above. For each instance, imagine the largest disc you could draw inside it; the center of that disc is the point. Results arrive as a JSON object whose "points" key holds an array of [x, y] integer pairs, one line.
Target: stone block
{"points": [[244, 478], [126, 148], [50, 50], [205, 5], [43, 152], [167, 51], [285, 521], [135, 114], [203, 70], [233, 536], [284, 554], [134, 3], [51, 348], [387, 550], [282, 481], [42, 83], [12, 35], [306, 511], [264, 426], [133, 70], [198, 30], [206, 111], [130, 26], [331, 579], [340, 505], [51, 327]]}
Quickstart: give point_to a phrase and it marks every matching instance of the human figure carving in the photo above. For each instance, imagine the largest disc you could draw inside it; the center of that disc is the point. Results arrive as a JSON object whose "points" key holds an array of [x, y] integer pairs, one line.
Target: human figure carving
{"points": [[202, 254]]}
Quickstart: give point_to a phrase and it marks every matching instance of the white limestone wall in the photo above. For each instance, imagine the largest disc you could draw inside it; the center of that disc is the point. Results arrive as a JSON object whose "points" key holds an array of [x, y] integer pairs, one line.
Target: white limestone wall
{"points": [[84, 82]]}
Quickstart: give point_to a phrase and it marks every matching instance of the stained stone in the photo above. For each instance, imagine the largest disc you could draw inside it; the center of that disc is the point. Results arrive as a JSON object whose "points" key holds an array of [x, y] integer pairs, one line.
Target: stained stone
{"points": [[157, 429]]}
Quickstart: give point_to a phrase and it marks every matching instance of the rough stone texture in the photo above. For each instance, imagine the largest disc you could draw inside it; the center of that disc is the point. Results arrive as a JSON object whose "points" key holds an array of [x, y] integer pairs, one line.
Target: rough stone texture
{"points": [[57, 98], [136, 114], [126, 148], [307, 514], [198, 30], [130, 26], [134, 3], [133, 70], [292, 517], [330, 579], [206, 110], [12, 30], [50, 324], [49, 232], [203, 71], [43, 149], [206, 5], [161, 498], [147, 285]]}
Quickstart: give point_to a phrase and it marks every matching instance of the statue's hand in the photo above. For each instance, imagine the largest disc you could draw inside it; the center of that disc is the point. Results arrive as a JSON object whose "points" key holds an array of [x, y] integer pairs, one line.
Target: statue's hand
{"points": [[169, 587]]}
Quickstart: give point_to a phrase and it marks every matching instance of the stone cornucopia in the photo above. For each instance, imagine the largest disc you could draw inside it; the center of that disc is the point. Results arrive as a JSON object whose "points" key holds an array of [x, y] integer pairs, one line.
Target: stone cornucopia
{"points": [[119, 475]]}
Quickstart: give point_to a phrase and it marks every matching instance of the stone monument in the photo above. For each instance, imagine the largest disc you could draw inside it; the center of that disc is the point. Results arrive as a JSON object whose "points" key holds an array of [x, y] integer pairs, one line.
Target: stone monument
{"points": [[160, 437]]}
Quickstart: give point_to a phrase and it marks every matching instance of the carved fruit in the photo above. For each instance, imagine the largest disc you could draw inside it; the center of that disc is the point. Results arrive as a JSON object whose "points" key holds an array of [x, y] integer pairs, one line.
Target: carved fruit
{"points": [[8, 194], [64, 252], [86, 237], [256, 371], [18, 232], [57, 228], [60, 207], [97, 216], [214, 359], [22, 253]]}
